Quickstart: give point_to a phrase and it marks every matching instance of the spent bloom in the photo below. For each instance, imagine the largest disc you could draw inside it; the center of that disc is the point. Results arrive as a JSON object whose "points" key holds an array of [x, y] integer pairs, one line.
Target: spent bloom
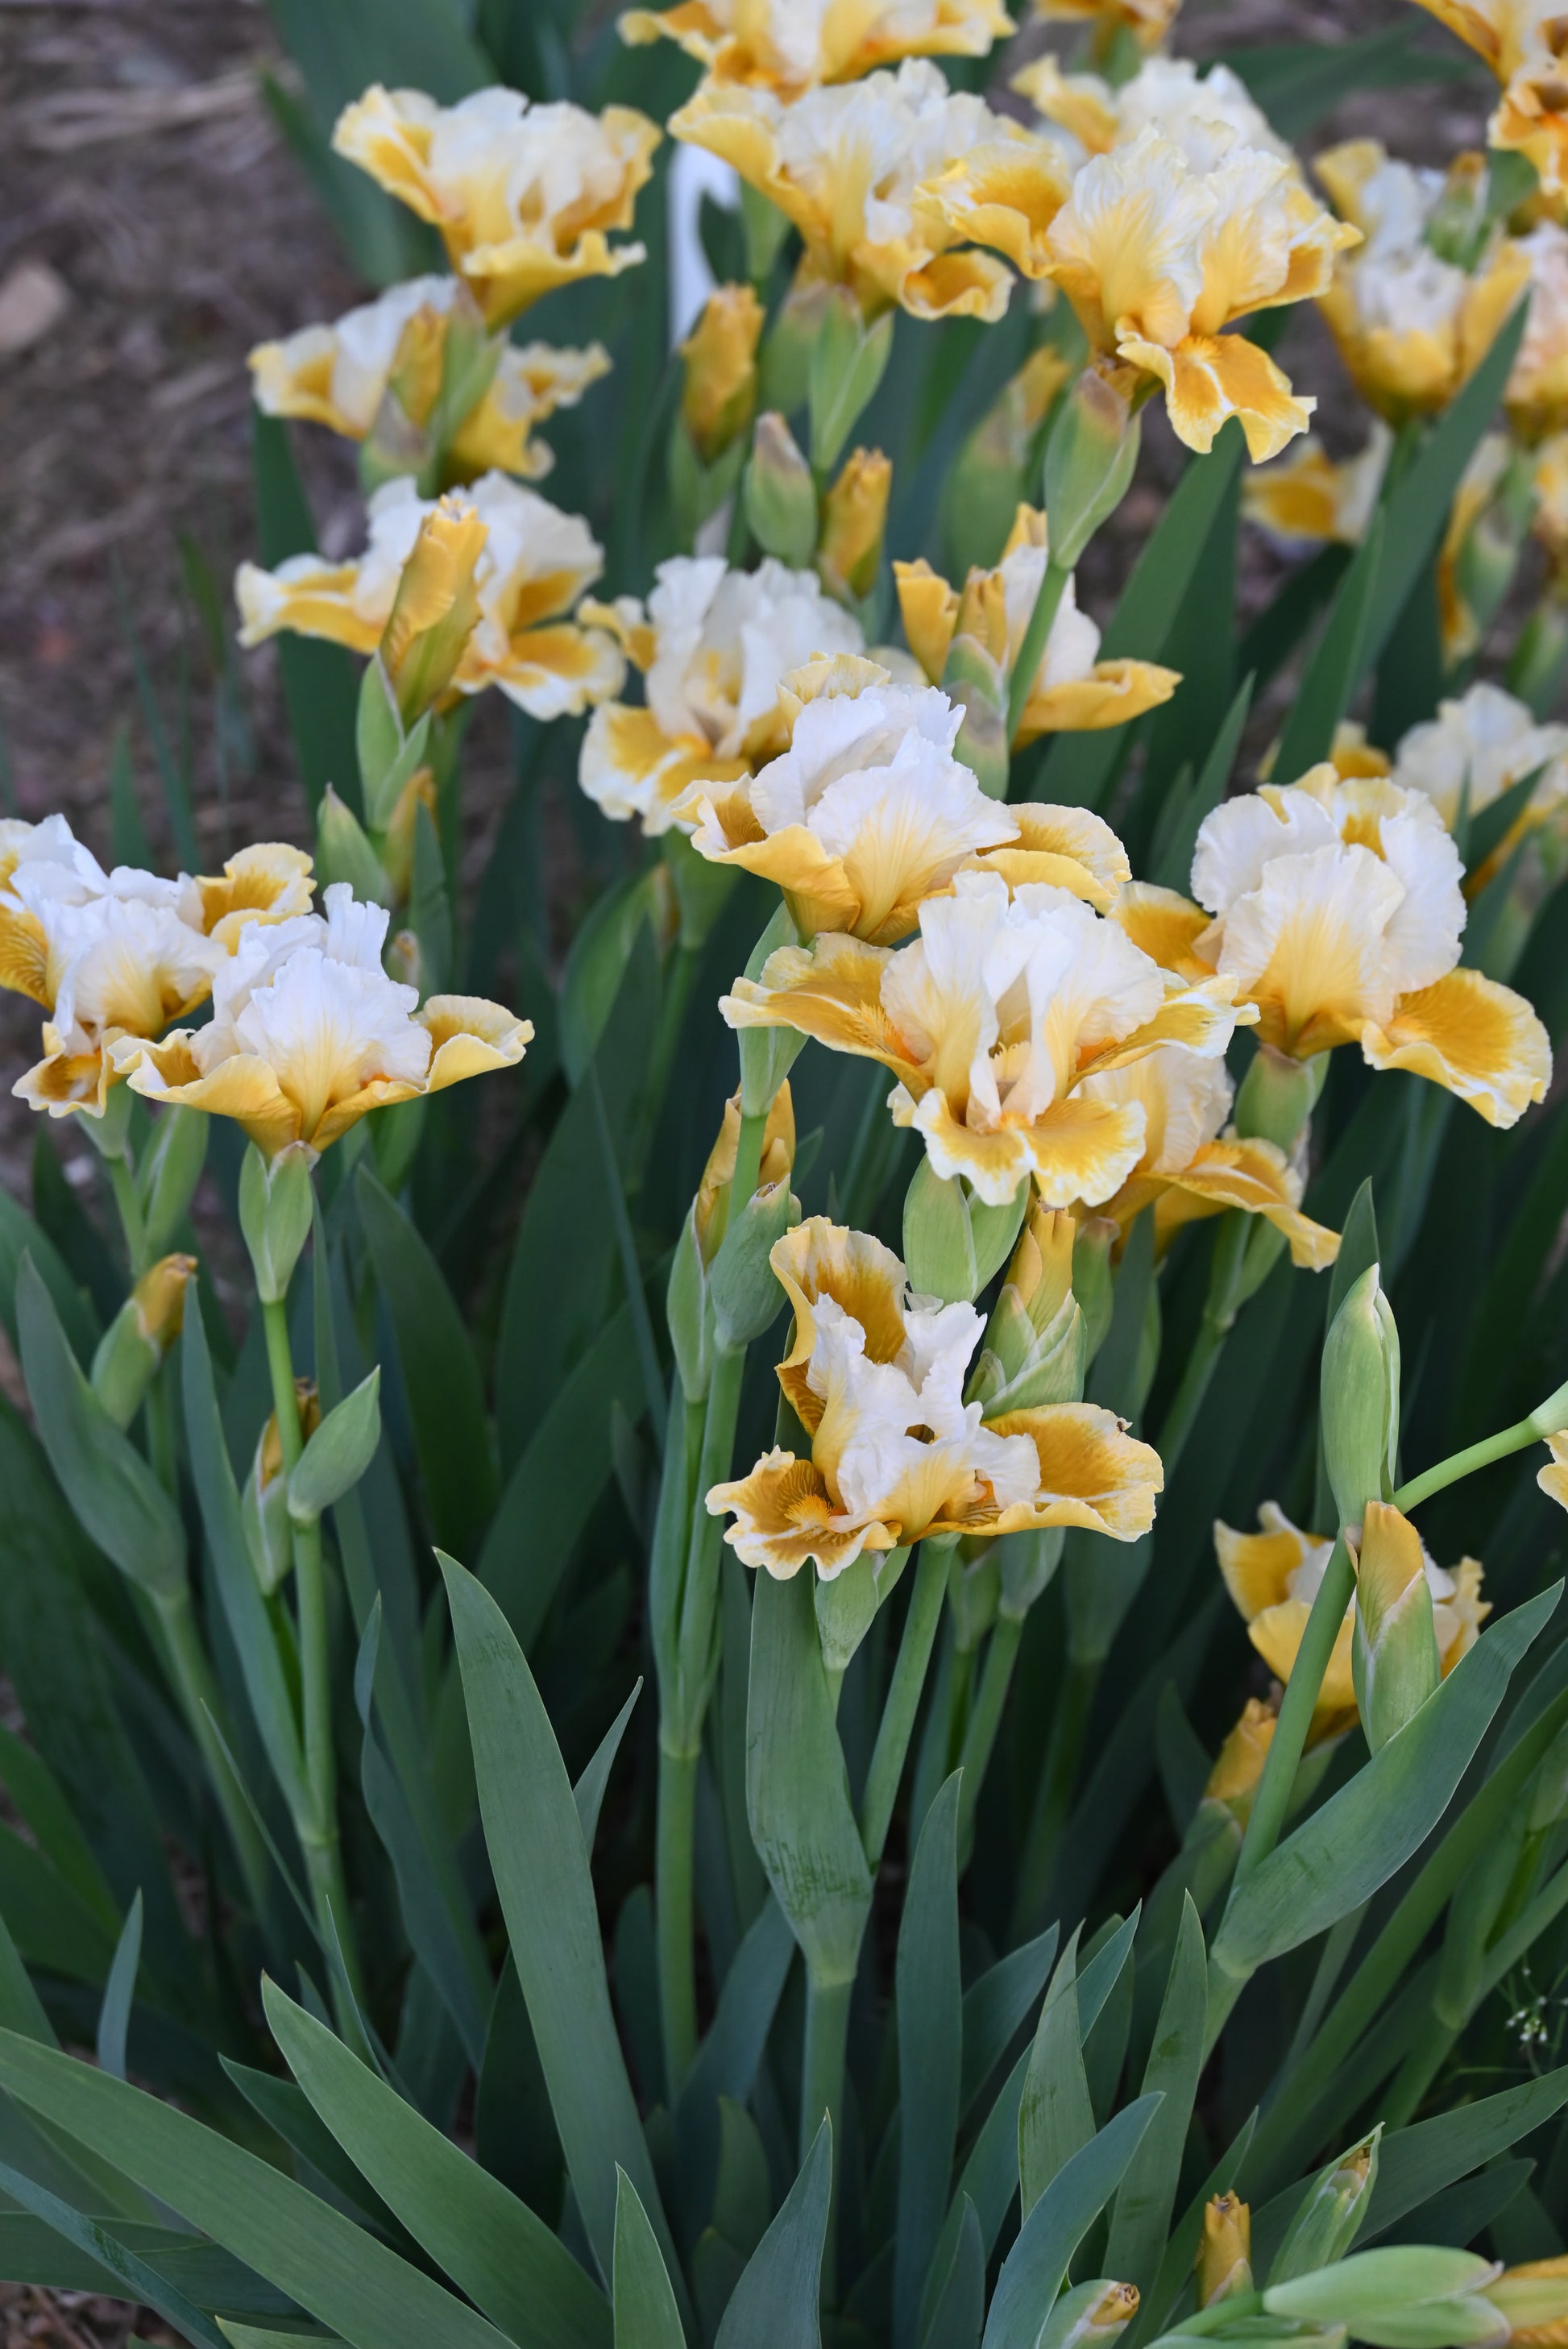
{"points": [[534, 564], [789, 47], [993, 1020], [1273, 1577], [1337, 910], [1414, 311], [1522, 42], [867, 810], [850, 167], [713, 645], [308, 1033], [396, 349], [1158, 255], [878, 1383], [1073, 691], [523, 196]]}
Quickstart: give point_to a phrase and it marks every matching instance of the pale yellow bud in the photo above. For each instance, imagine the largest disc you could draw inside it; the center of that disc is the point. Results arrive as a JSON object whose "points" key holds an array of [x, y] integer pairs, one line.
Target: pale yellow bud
{"points": [[1224, 2254], [1533, 2299], [711, 1205], [435, 610], [415, 380], [397, 842], [721, 355], [855, 517], [159, 1299], [308, 1404]]}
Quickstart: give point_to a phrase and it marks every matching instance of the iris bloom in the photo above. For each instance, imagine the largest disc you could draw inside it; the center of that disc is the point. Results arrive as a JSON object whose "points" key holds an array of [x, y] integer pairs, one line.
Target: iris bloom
{"points": [[120, 953], [308, 1033], [1190, 1166], [779, 45], [523, 196], [1148, 21], [1158, 256], [712, 645], [896, 1453], [864, 814], [1537, 393], [1073, 691], [848, 166], [1306, 497], [1412, 326], [1273, 1576], [1206, 116], [535, 562], [1478, 747], [340, 375], [1338, 911], [1522, 42], [993, 1020]]}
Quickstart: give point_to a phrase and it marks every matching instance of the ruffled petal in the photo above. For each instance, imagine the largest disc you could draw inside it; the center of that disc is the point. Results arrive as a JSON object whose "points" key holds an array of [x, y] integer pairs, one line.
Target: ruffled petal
{"points": [[629, 766], [244, 1087], [995, 1159], [1114, 693], [928, 607], [1468, 1033], [1209, 379], [833, 991], [1093, 1474], [784, 1516], [1277, 1633], [307, 597], [1255, 1177], [1067, 848], [1256, 1568], [553, 672], [817, 1259], [1165, 925]]}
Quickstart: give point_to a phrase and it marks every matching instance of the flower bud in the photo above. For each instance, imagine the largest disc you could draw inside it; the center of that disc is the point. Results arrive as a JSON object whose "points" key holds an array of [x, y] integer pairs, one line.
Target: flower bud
{"points": [[1359, 1402], [1089, 2315], [781, 495], [397, 843], [847, 362], [263, 1504], [1277, 1096], [170, 1172], [1238, 1764], [1036, 1341], [1459, 222], [1092, 1245], [344, 851], [992, 472], [1089, 459], [1395, 1651], [743, 1288], [721, 355], [1329, 2212], [1225, 2251], [853, 519], [276, 1204], [1532, 2302], [686, 1312], [1420, 2295], [846, 1606], [139, 1336], [767, 1054], [435, 610], [337, 1452], [938, 1245], [710, 1208], [975, 680]]}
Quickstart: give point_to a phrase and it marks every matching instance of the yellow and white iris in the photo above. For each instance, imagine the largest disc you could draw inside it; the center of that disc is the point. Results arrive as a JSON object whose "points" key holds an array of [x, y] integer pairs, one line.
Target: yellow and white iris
{"points": [[1537, 393], [1273, 1576], [308, 1033], [523, 196], [994, 1020], [1073, 691], [535, 563], [781, 45], [713, 645], [1522, 41], [339, 376], [1205, 115], [896, 1453], [850, 167], [1307, 498], [1476, 748]]}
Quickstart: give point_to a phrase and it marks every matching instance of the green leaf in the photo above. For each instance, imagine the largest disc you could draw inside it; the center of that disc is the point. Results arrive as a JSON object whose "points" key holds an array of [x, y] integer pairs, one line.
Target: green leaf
{"points": [[1171, 855], [726, 2065], [21, 2008], [117, 1500], [535, 1841], [287, 2110], [365, 2293], [930, 2052], [588, 1793], [505, 2259], [1034, 2270], [1358, 1838], [647, 2315], [1147, 2196], [960, 2309], [797, 1786], [1337, 662], [1414, 2164], [318, 679], [997, 2006], [38, 1796], [339, 1452], [422, 45], [774, 2305], [1488, 830], [1181, 2249], [1296, 83], [1054, 2117], [136, 2280], [21, 1236], [114, 2015], [440, 1376]]}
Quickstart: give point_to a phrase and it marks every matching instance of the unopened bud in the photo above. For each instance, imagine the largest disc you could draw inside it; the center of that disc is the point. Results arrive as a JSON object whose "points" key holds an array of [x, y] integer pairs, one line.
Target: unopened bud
{"points": [[977, 682], [1395, 1651], [1329, 2212], [435, 610], [1277, 1095], [276, 1204], [781, 495], [1459, 221], [1225, 2251], [136, 1341], [344, 851], [1238, 1764], [1089, 459], [721, 355], [846, 1605], [854, 521], [938, 1245], [336, 1453], [686, 1312], [991, 473], [1360, 1399], [745, 1294], [1035, 1341], [847, 362], [263, 1504], [1092, 1245], [1532, 2302], [172, 1171], [1422, 2295], [397, 858], [710, 1209], [399, 441], [767, 1054], [1096, 2313]]}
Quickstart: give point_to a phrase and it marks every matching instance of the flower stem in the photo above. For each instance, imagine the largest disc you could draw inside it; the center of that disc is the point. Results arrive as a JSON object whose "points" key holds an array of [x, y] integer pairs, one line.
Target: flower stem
{"points": [[1465, 1463], [1036, 636], [317, 1831], [822, 2091], [122, 1182], [673, 1912], [985, 1717], [897, 1724]]}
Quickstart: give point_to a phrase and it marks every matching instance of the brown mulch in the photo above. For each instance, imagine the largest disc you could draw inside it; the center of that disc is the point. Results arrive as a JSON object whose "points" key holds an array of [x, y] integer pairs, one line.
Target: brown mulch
{"points": [[33, 2318]]}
